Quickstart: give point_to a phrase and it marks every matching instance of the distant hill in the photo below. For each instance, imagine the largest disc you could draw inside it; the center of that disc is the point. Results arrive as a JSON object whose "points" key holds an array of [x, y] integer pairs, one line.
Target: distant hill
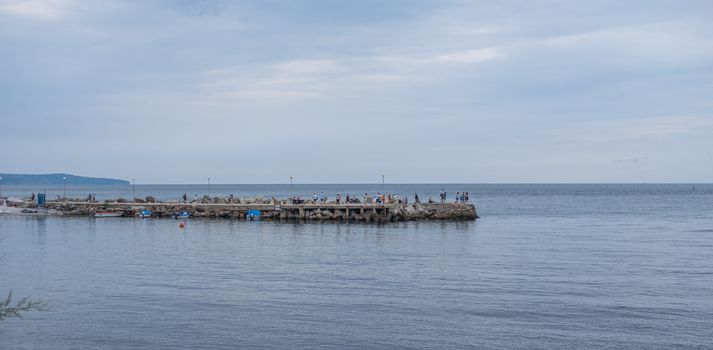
{"points": [[56, 179]]}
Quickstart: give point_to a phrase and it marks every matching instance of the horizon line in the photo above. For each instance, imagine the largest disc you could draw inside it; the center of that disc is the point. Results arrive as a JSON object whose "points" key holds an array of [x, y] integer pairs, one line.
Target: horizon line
{"points": [[378, 184]]}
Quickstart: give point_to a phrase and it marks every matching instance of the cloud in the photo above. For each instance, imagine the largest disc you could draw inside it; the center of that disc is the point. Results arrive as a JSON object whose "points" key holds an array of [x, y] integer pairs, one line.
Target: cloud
{"points": [[36, 9], [469, 56], [311, 78], [315, 66], [659, 43], [623, 130], [433, 82], [288, 80], [667, 126], [462, 56], [629, 160]]}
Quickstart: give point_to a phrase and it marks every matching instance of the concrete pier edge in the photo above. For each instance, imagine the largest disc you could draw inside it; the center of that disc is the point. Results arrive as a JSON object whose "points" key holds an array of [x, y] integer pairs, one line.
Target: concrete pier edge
{"points": [[278, 210]]}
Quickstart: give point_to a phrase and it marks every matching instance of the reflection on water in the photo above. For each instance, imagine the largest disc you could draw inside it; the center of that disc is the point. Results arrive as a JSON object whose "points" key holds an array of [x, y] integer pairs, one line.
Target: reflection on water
{"points": [[628, 269]]}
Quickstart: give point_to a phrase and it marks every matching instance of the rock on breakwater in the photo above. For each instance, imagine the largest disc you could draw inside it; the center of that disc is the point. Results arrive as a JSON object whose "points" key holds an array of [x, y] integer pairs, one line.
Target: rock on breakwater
{"points": [[272, 209]]}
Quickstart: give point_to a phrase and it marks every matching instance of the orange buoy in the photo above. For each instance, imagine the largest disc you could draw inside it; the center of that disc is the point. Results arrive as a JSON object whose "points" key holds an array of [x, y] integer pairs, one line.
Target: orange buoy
{"points": [[182, 225]]}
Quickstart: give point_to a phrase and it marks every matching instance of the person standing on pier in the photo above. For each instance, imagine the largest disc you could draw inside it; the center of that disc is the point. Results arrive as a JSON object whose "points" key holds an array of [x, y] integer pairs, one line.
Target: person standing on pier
{"points": [[415, 198], [185, 198]]}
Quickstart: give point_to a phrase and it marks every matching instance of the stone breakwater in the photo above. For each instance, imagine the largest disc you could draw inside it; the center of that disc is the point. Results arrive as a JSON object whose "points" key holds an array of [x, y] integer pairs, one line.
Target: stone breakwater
{"points": [[276, 210]]}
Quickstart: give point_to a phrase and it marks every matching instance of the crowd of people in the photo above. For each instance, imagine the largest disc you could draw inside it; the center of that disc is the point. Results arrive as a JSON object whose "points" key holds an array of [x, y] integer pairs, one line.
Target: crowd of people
{"points": [[461, 197], [323, 198], [378, 198]]}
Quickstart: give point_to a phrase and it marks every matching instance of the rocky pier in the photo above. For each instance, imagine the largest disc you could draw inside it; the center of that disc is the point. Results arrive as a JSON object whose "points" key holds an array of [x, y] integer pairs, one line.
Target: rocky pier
{"points": [[272, 209]]}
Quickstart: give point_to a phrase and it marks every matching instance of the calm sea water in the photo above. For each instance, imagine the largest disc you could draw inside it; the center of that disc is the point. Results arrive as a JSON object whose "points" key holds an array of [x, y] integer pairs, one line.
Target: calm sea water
{"points": [[547, 267]]}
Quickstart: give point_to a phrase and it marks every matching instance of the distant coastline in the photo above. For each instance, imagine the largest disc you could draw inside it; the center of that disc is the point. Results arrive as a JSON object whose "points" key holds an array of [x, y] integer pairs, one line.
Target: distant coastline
{"points": [[57, 179]]}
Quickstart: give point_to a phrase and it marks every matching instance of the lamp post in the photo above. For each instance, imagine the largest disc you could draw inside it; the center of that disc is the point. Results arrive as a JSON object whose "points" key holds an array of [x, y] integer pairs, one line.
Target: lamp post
{"points": [[0, 186], [382, 183], [290, 186], [64, 187], [209, 186], [133, 189]]}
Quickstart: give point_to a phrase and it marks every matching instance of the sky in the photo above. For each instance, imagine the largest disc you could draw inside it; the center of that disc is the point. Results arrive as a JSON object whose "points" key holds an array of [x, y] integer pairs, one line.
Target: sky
{"points": [[345, 91]]}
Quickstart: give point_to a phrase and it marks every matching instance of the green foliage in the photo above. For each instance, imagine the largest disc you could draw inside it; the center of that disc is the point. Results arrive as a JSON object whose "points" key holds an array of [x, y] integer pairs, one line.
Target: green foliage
{"points": [[25, 304]]}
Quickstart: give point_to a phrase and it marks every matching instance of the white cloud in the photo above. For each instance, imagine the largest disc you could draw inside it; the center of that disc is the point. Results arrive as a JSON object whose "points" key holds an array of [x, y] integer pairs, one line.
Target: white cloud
{"points": [[630, 160], [288, 80], [631, 129], [671, 42], [36, 9], [469, 56], [303, 67], [300, 79], [464, 56]]}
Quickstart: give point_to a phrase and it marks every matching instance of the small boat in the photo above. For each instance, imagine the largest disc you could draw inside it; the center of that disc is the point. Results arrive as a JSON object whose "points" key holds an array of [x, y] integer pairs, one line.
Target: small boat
{"points": [[182, 215], [145, 213], [107, 214], [252, 214]]}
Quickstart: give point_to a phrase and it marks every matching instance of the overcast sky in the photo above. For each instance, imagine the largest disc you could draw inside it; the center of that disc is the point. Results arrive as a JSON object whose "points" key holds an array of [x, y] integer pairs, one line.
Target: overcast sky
{"points": [[344, 91]]}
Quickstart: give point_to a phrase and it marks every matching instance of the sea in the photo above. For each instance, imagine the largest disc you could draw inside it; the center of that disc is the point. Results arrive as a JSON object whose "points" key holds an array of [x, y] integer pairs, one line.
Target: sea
{"points": [[547, 266]]}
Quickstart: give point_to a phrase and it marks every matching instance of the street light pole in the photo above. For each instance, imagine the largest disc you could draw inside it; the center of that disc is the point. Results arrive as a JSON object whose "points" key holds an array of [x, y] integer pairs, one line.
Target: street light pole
{"points": [[0, 186], [133, 189], [382, 183], [290, 186], [64, 187]]}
